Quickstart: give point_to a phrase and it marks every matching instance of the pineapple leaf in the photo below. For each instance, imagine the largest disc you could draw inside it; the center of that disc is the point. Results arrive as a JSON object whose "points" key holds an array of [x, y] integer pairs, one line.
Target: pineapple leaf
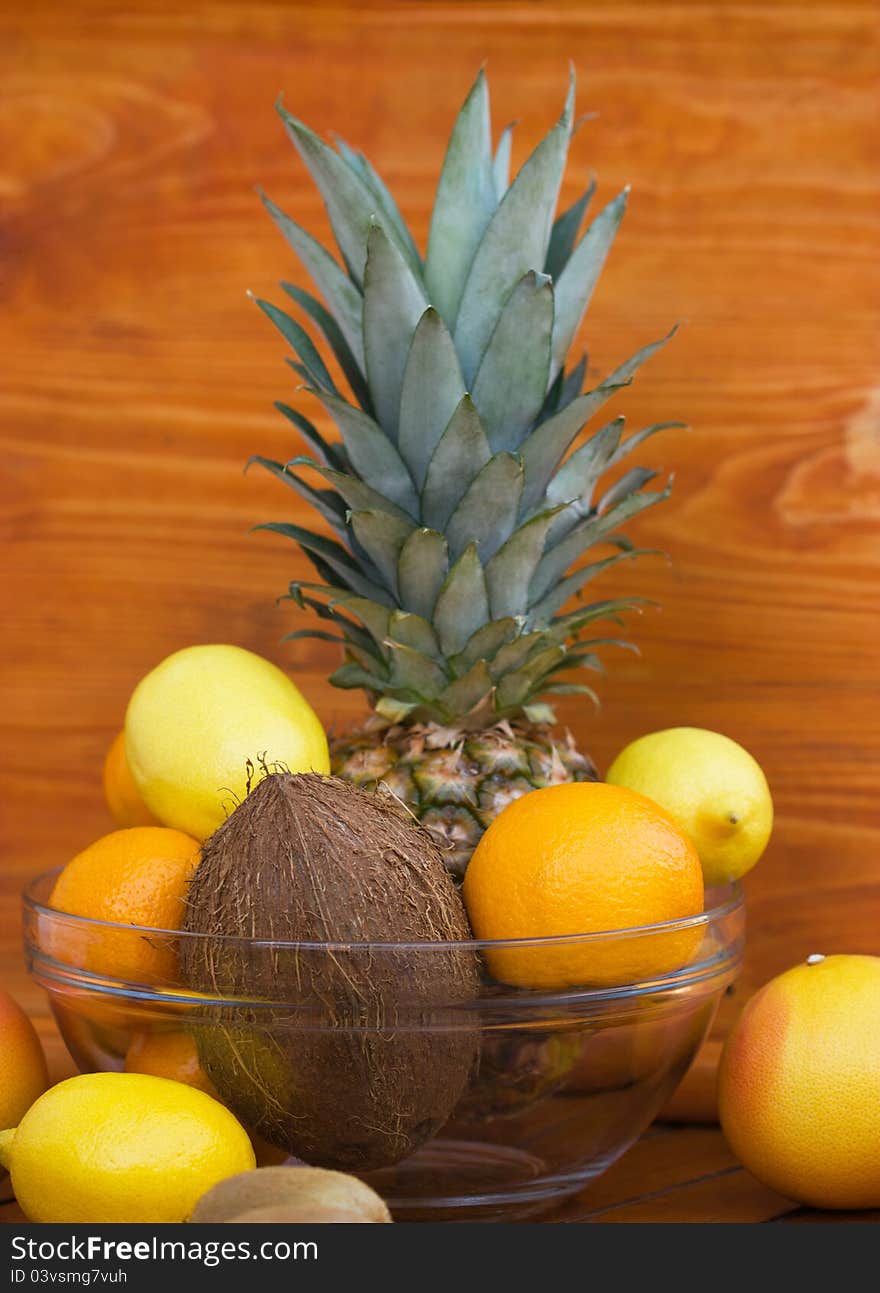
{"points": [[487, 513], [357, 495], [330, 554], [336, 341], [325, 501], [592, 530], [639, 437], [572, 383], [547, 606], [354, 634], [301, 371], [569, 689], [629, 483], [462, 604], [415, 672], [539, 714], [563, 389], [385, 199], [382, 536], [349, 676], [501, 162], [393, 304], [515, 241], [333, 283], [565, 232], [563, 627], [421, 569], [548, 443], [576, 283], [511, 383], [576, 478], [332, 454], [463, 695], [414, 631], [462, 451], [315, 370], [395, 711], [374, 617], [576, 658], [574, 483], [485, 643], [519, 686], [432, 389], [513, 655], [351, 204], [318, 634], [464, 204], [509, 573], [372, 454]]}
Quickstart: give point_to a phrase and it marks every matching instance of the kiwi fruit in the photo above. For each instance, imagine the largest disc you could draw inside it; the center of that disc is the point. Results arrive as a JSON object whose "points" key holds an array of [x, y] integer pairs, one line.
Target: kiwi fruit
{"points": [[289, 1189]]}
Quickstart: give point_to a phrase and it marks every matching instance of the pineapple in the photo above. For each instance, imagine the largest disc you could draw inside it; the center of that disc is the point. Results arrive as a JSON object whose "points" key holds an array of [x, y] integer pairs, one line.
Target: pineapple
{"points": [[458, 497]]}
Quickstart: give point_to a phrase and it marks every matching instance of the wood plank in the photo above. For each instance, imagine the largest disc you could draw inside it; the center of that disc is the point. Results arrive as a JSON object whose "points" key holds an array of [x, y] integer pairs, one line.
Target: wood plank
{"points": [[138, 378], [732, 1196]]}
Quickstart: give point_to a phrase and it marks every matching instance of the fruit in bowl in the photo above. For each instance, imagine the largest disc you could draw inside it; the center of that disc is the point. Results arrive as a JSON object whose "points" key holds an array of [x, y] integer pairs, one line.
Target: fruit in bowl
{"points": [[579, 859], [563, 1082]]}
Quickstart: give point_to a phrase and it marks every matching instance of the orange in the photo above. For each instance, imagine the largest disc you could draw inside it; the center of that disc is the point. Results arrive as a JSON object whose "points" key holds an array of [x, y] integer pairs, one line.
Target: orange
{"points": [[127, 808], [131, 877], [799, 1083], [174, 1055], [578, 858], [169, 1055], [23, 1074]]}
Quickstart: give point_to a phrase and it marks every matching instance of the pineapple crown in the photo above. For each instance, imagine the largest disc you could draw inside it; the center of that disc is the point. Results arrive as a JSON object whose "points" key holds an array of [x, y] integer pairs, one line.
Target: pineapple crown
{"points": [[457, 500]]}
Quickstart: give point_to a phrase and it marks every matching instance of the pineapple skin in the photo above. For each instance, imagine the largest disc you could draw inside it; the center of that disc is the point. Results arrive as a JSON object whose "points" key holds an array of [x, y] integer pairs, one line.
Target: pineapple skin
{"points": [[457, 782]]}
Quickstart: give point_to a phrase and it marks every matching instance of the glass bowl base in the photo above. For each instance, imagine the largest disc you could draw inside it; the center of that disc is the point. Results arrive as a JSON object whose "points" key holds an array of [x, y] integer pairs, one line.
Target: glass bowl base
{"points": [[455, 1180]]}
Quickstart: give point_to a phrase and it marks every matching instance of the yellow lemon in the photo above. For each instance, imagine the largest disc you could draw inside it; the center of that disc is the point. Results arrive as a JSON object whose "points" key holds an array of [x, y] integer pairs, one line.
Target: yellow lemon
{"points": [[711, 787], [799, 1083], [201, 724], [121, 1147]]}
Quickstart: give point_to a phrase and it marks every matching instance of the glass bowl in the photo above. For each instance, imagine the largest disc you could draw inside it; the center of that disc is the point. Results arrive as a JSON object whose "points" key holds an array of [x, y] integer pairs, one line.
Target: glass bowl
{"points": [[558, 1084]]}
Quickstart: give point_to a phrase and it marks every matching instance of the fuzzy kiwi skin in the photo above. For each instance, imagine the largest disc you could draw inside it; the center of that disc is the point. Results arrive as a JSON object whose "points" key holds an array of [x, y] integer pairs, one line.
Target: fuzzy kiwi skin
{"points": [[369, 1055], [289, 1190]]}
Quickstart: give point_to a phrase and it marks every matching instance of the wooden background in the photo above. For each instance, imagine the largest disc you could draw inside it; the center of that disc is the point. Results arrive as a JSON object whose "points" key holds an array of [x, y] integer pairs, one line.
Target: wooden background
{"points": [[137, 376]]}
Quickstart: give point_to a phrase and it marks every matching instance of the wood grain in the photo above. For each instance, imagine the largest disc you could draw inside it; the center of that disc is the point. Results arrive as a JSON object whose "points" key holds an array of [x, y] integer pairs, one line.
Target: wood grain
{"points": [[138, 378]]}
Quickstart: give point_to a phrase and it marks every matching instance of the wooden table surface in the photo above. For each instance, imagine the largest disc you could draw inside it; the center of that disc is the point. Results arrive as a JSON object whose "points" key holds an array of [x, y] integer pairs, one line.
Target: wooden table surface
{"points": [[138, 378]]}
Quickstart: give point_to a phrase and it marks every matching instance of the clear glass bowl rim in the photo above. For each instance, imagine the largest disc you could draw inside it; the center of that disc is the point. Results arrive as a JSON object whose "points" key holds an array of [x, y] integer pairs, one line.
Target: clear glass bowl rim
{"points": [[730, 903]]}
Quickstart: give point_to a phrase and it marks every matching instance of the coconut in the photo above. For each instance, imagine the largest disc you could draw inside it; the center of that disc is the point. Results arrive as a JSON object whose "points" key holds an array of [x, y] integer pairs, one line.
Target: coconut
{"points": [[367, 1056]]}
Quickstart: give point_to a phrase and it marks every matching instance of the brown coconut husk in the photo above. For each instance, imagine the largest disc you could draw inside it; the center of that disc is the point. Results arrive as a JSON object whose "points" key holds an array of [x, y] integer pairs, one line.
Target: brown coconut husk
{"points": [[368, 1057]]}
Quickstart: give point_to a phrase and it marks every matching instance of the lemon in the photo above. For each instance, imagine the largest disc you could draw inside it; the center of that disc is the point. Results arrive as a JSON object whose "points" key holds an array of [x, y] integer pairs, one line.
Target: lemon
{"points": [[713, 789], [203, 721], [117, 1147]]}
